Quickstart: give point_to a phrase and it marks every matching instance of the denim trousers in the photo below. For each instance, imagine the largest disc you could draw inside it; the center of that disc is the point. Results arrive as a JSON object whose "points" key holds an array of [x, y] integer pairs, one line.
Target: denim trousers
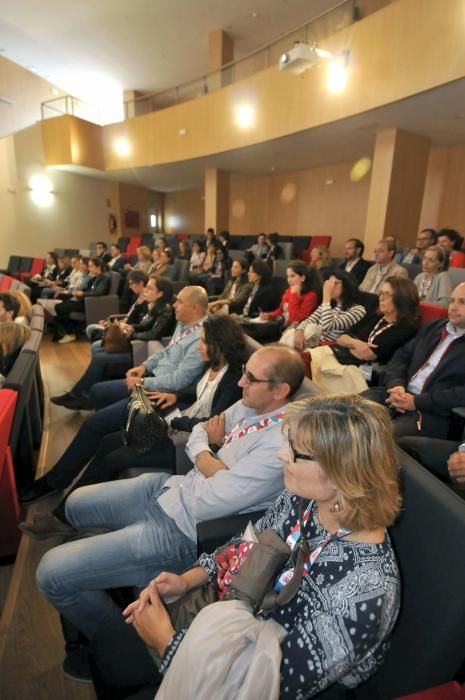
{"points": [[143, 541], [103, 394]]}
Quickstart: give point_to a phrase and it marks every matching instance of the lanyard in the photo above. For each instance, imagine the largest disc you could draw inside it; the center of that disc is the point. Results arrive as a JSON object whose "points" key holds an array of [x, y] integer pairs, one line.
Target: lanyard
{"points": [[264, 424], [444, 335], [375, 332], [188, 331], [425, 287], [293, 538]]}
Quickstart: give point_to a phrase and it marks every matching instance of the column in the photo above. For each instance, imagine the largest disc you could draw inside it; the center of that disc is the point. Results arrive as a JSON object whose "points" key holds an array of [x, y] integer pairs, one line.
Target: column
{"points": [[220, 52], [397, 186], [216, 199]]}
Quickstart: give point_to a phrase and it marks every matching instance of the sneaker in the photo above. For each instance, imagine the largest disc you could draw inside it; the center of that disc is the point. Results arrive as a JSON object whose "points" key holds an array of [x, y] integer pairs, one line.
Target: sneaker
{"points": [[45, 526], [38, 490], [67, 339], [76, 665], [61, 400]]}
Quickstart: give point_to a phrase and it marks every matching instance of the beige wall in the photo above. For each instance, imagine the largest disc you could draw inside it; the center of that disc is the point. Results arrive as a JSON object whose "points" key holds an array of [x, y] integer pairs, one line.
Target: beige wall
{"points": [[27, 90], [444, 200], [184, 211], [77, 215]]}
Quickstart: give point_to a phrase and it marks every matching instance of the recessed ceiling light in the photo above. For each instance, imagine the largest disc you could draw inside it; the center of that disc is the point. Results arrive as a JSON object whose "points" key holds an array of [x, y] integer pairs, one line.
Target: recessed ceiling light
{"points": [[255, 15]]}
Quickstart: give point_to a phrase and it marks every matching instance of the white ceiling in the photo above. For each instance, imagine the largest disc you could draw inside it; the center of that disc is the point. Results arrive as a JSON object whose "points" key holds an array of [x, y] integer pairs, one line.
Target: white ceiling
{"points": [[438, 114], [146, 45]]}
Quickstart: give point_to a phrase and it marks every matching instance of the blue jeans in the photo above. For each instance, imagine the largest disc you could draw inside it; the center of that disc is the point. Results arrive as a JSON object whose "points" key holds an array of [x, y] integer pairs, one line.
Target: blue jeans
{"points": [[97, 368], [104, 394], [143, 542]]}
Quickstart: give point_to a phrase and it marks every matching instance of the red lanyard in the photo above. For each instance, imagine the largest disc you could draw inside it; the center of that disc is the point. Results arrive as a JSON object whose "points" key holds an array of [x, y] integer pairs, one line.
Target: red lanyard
{"points": [[188, 331], [375, 332], [263, 424]]}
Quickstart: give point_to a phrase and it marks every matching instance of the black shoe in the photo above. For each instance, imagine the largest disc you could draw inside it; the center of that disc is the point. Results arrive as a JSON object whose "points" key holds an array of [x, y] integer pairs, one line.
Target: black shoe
{"points": [[78, 403], [38, 490], [76, 665], [62, 400]]}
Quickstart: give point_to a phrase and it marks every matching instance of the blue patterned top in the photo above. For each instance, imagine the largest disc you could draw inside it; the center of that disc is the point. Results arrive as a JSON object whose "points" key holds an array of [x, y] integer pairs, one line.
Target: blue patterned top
{"points": [[339, 622]]}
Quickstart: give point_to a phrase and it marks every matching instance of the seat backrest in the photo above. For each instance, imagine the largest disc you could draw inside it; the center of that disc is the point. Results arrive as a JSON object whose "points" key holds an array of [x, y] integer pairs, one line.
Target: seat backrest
{"points": [[456, 275], [413, 269], [369, 301], [8, 399], [458, 259], [20, 378], [280, 268], [320, 240], [14, 263], [181, 269], [32, 344], [114, 282], [5, 282], [133, 243], [25, 265], [431, 312], [288, 250], [428, 642], [37, 266]]}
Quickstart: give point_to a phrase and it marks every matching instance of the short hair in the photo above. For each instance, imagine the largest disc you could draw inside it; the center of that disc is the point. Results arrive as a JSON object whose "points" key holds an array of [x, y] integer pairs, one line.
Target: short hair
{"points": [[405, 299], [102, 243], [350, 294], [10, 303], [358, 244], [225, 235], [116, 245], [25, 306], [433, 233], [98, 262], [224, 336], [165, 286], [339, 431], [261, 234], [273, 238], [145, 251], [442, 255], [453, 236], [197, 295], [169, 253], [312, 281], [390, 244], [84, 259], [262, 269], [138, 276], [200, 244], [287, 366], [211, 230]]}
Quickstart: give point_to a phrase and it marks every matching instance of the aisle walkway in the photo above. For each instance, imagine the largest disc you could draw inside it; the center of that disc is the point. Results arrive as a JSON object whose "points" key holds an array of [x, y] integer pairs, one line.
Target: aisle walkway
{"points": [[31, 644]]}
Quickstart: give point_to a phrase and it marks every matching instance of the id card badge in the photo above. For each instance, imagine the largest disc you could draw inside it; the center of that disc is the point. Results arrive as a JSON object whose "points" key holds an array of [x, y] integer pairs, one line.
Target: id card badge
{"points": [[367, 371]]}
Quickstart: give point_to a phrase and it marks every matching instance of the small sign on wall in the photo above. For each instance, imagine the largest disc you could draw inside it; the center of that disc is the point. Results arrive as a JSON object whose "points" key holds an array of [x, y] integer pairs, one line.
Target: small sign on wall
{"points": [[131, 219]]}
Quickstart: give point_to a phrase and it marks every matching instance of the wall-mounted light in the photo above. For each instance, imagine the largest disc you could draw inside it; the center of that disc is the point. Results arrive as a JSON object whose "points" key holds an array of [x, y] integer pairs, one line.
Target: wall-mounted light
{"points": [[337, 73], [244, 115], [41, 190], [122, 147]]}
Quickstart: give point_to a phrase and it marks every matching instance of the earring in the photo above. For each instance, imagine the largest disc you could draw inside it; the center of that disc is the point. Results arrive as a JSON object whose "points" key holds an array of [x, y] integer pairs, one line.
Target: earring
{"points": [[335, 508]]}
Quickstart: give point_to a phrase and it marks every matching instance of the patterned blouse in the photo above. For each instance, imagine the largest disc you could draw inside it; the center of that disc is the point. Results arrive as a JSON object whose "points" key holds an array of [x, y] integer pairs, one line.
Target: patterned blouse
{"points": [[339, 622]]}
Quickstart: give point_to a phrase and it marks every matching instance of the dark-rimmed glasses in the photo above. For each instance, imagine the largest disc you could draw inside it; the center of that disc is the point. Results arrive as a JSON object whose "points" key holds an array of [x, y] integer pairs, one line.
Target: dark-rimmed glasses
{"points": [[298, 455], [251, 379]]}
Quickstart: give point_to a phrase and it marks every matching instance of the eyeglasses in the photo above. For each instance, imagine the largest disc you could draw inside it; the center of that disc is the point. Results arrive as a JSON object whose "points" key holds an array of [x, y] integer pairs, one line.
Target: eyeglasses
{"points": [[251, 379], [298, 455], [381, 295]]}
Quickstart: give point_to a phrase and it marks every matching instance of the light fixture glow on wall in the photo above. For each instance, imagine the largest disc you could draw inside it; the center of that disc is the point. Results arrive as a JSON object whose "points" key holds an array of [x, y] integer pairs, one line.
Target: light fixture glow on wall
{"points": [[244, 116], [337, 74], [153, 221], [122, 147], [41, 190]]}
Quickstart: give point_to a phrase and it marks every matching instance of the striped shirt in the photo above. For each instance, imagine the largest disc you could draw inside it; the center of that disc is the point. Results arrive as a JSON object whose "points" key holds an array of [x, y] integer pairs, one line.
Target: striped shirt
{"points": [[334, 320]]}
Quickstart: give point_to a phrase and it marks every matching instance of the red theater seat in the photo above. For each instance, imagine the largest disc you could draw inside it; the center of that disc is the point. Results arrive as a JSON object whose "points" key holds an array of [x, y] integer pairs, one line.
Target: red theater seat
{"points": [[9, 506], [431, 312], [458, 259]]}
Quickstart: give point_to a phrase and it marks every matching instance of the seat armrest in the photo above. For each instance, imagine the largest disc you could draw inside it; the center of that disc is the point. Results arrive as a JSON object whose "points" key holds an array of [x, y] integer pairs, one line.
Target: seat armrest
{"points": [[139, 351], [101, 307], [213, 533]]}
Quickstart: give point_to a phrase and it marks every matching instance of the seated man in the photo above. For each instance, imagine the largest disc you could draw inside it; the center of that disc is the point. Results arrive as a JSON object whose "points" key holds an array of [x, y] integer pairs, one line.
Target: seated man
{"points": [[440, 457], [151, 520], [425, 379], [384, 267], [172, 368], [354, 262]]}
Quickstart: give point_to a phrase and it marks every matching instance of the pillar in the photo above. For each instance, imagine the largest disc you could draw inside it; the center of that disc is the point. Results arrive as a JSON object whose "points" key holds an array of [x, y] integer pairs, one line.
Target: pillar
{"points": [[216, 199], [220, 52], [397, 185]]}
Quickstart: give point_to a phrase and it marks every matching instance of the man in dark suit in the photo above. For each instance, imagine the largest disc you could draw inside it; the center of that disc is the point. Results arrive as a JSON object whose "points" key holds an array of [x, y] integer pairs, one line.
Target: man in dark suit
{"points": [[116, 262], [354, 262], [425, 379]]}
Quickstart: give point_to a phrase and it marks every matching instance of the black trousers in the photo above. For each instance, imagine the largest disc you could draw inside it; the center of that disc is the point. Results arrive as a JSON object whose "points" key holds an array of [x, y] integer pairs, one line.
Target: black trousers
{"points": [[431, 453], [64, 324]]}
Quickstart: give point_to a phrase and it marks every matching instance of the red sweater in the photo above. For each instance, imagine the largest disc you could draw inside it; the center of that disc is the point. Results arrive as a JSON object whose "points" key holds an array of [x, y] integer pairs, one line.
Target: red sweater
{"points": [[299, 306]]}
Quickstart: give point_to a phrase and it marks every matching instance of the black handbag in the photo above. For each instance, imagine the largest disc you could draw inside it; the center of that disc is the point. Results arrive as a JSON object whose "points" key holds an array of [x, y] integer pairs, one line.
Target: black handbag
{"points": [[143, 426]]}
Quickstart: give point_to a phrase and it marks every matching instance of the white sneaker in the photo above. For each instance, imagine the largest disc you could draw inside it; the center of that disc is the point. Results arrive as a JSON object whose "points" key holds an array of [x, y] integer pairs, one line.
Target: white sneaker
{"points": [[67, 339]]}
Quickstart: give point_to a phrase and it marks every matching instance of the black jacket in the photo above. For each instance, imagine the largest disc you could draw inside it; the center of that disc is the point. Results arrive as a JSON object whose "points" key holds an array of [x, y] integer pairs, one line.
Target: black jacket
{"points": [[265, 299], [227, 392], [387, 342], [157, 323], [136, 313], [445, 387], [118, 265], [98, 286], [359, 270]]}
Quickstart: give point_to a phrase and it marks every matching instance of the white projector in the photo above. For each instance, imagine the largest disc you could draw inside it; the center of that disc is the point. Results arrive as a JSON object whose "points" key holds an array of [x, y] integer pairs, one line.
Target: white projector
{"points": [[302, 57]]}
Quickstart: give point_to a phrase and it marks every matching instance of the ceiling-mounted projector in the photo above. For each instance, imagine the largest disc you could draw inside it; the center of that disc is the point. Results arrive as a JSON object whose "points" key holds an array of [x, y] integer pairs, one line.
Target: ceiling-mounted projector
{"points": [[302, 57]]}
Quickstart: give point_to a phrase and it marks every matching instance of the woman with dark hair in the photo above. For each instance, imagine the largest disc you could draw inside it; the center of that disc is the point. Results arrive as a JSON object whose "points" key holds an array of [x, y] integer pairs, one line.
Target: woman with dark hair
{"points": [[237, 288], [49, 273], [184, 250], [299, 300], [451, 240], [433, 284], [216, 278], [339, 310], [197, 257], [275, 252], [157, 322], [222, 347], [262, 296]]}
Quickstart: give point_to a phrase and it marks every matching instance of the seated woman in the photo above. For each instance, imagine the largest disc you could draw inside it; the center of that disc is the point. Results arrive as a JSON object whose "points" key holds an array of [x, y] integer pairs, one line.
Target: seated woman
{"points": [[374, 339], [222, 347], [98, 285], [78, 281], [262, 296], [144, 258], [297, 303], [157, 322], [60, 281], [49, 273], [451, 240], [184, 250], [260, 248], [12, 338], [197, 257], [25, 307], [199, 275], [275, 252], [433, 284], [320, 259], [338, 312], [237, 288], [216, 279], [337, 596]]}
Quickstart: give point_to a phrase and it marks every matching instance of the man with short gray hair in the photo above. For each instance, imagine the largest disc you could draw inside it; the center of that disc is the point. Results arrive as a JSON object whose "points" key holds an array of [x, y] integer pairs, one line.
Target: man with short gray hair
{"points": [[384, 267]]}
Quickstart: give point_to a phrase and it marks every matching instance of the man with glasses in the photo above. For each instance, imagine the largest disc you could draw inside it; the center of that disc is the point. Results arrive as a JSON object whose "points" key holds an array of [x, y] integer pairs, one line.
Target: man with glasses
{"points": [[384, 267], [151, 520], [425, 238]]}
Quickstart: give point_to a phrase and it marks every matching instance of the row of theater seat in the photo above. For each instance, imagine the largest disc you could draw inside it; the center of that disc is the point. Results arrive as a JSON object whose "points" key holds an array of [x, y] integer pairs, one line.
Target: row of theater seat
{"points": [[21, 415]]}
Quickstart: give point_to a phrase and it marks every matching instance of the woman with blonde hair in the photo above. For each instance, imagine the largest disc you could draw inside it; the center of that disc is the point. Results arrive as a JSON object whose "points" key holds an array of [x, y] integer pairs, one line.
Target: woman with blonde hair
{"points": [[337, 595], [320, 259], [25, 306], [12, 338]]}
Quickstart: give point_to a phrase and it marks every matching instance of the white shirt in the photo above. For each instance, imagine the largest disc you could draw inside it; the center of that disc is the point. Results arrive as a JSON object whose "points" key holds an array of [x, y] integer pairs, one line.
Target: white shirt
{"points": [[418, 380], [205, 391]]}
